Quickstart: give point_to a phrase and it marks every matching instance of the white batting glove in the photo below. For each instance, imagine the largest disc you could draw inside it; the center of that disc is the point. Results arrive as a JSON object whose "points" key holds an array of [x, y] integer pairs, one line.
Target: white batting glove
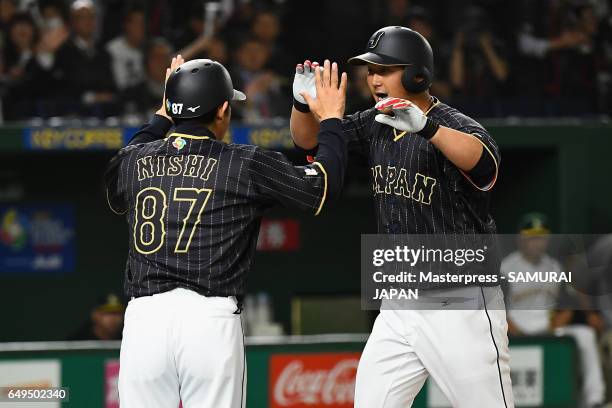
{"points": [[304, 81], [407, 117]]}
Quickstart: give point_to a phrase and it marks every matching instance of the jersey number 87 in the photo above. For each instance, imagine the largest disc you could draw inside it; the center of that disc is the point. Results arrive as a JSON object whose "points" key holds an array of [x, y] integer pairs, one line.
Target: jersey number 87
{"points": [[150, 212]]}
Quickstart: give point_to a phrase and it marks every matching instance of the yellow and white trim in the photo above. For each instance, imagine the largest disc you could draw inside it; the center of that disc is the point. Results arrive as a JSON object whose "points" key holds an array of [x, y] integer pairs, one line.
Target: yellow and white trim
{"points": [[324, 186], [111, 206], [185, 136], [492, 183]]}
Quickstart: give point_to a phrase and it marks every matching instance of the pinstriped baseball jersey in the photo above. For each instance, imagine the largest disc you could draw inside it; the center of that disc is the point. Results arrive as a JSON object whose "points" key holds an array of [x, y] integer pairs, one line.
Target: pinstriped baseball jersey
{"points": [[194, 206], [417, 190]]}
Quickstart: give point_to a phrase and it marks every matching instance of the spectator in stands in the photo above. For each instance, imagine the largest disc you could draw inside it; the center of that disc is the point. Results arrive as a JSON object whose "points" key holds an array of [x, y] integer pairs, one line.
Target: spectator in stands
{"points": [[24, 78], [578, 66], [198, 41], [8, 8], [111, 17], [217, 50], [106, 321], [20, 49], [53, 34], [556, 44], [206, 47], [187, 34], [82, 68], [419, 20], [53, 14], [144, 97], [238, 23], [530, 304], [538, 37], [478, 68], [266, 96], [266, 27], [126, 51]]}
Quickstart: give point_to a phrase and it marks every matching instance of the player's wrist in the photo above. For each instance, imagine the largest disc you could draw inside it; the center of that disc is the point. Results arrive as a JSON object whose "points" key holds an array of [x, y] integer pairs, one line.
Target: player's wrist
{"points": [[160, 124], [429, 130], [302, 107], [162, 112], [330, 123]]}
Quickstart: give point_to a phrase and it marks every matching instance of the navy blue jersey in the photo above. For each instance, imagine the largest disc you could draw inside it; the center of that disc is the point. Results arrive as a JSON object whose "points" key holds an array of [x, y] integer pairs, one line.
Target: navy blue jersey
{"points": [[194, 204], [416, 189]]}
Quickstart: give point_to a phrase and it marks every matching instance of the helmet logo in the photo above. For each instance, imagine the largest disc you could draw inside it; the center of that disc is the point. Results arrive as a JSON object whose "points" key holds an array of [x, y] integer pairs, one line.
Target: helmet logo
{"points": [[374, 39], [179, 143], [193, 109]]}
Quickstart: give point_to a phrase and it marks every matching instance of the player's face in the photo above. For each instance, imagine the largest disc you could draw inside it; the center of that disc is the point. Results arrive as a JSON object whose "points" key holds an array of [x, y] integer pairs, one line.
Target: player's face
{"points": [[84, 22], [135, 28], [22, 35], [157, 62], [534, 246], [386, 81], [109, 323]]}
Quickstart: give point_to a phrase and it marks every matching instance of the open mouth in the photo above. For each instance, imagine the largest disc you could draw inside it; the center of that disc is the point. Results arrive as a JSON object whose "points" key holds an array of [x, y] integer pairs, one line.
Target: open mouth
{"points": [[380, 95]]}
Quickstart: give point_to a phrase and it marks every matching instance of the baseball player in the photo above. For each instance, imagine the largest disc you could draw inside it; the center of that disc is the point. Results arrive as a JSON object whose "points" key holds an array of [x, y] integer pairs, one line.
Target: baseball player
{"points": [[193, 206], [432, 170], [532, 304]]}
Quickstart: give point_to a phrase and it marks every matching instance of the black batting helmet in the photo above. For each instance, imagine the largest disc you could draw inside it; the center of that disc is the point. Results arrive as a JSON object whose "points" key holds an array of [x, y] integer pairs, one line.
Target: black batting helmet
{"points": [[401, 46], [197, 87]]}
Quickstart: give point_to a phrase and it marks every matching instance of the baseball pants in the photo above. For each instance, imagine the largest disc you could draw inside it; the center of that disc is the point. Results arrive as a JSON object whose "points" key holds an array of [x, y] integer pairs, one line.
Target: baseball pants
{"points": [[593, 384], [464, 348], [180, 346]]}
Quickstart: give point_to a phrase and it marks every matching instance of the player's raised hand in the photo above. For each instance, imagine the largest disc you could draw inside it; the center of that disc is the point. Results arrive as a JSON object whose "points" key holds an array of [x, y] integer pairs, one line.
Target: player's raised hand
{"points": [[174, 64], [304, 81], [406, 115], [330, 93]]}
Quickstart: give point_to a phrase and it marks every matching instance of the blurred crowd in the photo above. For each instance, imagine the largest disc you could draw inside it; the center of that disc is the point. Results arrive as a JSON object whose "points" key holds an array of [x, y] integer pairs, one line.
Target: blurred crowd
{"points": [[494, 58]]}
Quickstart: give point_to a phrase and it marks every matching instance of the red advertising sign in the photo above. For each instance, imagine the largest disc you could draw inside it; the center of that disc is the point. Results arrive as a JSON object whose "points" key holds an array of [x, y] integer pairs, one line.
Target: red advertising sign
{"points": [[316, 380], [279, 235], [111, 391], [111, 388]]}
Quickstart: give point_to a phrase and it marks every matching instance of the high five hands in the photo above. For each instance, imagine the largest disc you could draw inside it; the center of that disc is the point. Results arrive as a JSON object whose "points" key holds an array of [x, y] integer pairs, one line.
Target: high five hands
{"points": [[321, 88]]}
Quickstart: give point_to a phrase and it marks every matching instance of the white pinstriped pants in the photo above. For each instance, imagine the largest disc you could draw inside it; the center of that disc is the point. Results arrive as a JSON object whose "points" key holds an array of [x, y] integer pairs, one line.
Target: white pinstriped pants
{"points": [[182, 346], [465, 351]]}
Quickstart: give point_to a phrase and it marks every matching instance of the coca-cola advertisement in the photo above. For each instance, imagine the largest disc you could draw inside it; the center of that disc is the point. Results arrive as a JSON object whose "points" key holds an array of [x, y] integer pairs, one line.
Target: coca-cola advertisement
{"points": [[313, 380]]}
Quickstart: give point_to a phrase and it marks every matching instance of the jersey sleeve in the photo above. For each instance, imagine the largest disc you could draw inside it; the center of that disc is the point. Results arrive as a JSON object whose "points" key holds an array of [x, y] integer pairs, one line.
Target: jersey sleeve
{"points": [[356, 130], [484, 175], [155, 130], [276, 180], [114, 192]]}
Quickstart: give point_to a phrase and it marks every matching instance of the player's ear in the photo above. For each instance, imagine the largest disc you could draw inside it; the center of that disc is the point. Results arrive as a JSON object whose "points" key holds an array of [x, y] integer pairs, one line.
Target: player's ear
{"points": [[223, 111]]}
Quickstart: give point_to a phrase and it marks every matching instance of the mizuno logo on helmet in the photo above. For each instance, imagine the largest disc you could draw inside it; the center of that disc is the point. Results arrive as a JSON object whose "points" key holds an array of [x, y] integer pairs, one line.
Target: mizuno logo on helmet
{"points": [[193, 109], [375, 38]]}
